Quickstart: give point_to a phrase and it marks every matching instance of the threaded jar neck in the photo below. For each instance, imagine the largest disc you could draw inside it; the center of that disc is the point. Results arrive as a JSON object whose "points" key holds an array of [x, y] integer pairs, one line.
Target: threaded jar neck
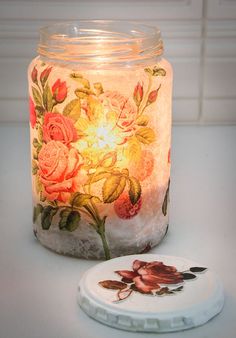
{"points": [[101, 42]]}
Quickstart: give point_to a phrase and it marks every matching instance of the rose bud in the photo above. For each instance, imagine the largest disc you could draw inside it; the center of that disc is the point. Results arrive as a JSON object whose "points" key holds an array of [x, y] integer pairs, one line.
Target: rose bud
{"points": [[44, 75], [34, 75], [59, 91], [138, 94], [153, 95]]}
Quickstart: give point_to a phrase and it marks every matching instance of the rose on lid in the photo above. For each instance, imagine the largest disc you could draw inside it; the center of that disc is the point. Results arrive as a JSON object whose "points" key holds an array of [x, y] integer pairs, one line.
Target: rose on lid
{"points": [[147, 277]]}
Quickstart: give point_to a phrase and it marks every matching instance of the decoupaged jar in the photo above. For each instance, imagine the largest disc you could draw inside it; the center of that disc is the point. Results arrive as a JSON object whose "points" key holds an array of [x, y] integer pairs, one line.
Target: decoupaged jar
{"points": [[100, 97]]}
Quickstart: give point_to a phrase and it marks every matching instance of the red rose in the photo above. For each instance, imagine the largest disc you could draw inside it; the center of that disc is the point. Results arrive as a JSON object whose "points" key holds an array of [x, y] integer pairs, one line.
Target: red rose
{"points": [[148, 276], [32, 113], [59, 128], [59, 91], [60, 171], [125, 111]]}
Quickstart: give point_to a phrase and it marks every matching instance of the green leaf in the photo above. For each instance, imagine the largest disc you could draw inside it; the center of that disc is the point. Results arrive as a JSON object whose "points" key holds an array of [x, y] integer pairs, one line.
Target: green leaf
{"points": [[113, 188], [34, 166], [47, 98], [36, 143], [148, 70], [38, 185], [156, 71], [98, 88], [42, 197], [197, 269], [39, 110], [166, 200], [37, 211], [134, 190], [142, 120], [82, 124], [125, 172], [72, 109], [47, 216], [159, 71], [95, 109], [188, 276], [69, 220], [97, 176], [145, 135], [133, 150], [163, 291], [113, 284], [109, 159], [37, 96], [81, 93], [81, 80], [180, 288], [80, 200], [40, 136]]}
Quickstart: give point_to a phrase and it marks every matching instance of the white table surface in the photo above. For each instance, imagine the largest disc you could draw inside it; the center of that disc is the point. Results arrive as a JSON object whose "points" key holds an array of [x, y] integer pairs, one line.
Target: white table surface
{"points": [[38, 288]]}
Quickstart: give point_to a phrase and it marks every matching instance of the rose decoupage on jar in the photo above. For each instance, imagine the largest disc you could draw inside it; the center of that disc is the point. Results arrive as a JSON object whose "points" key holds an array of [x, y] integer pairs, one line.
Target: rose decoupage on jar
{"points": [[100, 142]]}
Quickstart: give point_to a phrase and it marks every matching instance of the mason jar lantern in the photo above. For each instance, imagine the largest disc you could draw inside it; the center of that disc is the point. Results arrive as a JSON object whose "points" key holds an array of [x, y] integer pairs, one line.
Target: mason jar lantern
{"points": [[100, 96]]}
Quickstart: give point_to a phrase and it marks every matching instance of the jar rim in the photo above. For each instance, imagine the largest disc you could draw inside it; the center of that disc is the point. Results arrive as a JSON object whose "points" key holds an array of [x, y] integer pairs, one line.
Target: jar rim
{"points": [[100, 41]]}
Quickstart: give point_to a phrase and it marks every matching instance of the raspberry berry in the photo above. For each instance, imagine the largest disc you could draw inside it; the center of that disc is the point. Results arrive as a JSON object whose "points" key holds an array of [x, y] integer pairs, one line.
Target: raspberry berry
{"points": [[124, 208]]}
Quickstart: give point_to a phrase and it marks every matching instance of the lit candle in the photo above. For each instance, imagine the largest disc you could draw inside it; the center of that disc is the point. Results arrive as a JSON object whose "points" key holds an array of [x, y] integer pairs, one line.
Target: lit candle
{"points": [[100, 121]]}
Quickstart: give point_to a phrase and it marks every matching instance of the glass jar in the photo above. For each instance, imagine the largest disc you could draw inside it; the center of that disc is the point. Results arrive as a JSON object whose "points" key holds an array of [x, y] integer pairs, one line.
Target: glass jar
{"points": [[100, 120]]}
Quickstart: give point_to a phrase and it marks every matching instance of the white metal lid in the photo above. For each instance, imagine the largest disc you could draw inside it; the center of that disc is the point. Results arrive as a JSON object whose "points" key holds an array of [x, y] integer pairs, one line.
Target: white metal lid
{"points": [[150, 293]]}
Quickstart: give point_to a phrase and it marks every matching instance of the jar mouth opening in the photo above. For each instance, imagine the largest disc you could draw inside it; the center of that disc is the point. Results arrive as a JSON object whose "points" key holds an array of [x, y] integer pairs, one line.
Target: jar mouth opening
{"points": [[100, 41]]}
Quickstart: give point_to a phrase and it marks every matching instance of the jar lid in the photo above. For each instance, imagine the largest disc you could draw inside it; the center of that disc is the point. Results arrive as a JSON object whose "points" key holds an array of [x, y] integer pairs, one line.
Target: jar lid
{"points": [[150, 293]]}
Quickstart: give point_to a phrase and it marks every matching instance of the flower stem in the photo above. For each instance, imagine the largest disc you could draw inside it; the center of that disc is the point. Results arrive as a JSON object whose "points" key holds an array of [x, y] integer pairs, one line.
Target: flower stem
{"points": [[101, 232], [143, 104], [99, 225]]}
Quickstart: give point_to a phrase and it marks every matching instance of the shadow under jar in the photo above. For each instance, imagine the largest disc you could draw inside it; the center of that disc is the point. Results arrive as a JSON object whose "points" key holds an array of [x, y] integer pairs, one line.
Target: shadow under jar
{"points": [[100, 119]]}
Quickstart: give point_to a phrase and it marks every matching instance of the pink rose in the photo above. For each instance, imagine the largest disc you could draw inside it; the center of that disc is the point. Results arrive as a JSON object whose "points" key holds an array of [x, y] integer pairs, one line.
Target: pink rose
{"points": [[59, 128], [60, 171], [125, 110], [32, 113]]}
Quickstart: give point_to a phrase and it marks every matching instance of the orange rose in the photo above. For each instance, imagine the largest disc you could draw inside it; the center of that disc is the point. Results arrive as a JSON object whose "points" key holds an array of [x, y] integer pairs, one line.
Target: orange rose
{"points": [[59, 128], [60, 171]]}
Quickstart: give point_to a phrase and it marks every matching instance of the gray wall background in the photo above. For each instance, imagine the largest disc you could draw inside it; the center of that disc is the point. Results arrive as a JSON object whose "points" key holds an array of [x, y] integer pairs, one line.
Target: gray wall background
{"points": [[199, 37]]}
